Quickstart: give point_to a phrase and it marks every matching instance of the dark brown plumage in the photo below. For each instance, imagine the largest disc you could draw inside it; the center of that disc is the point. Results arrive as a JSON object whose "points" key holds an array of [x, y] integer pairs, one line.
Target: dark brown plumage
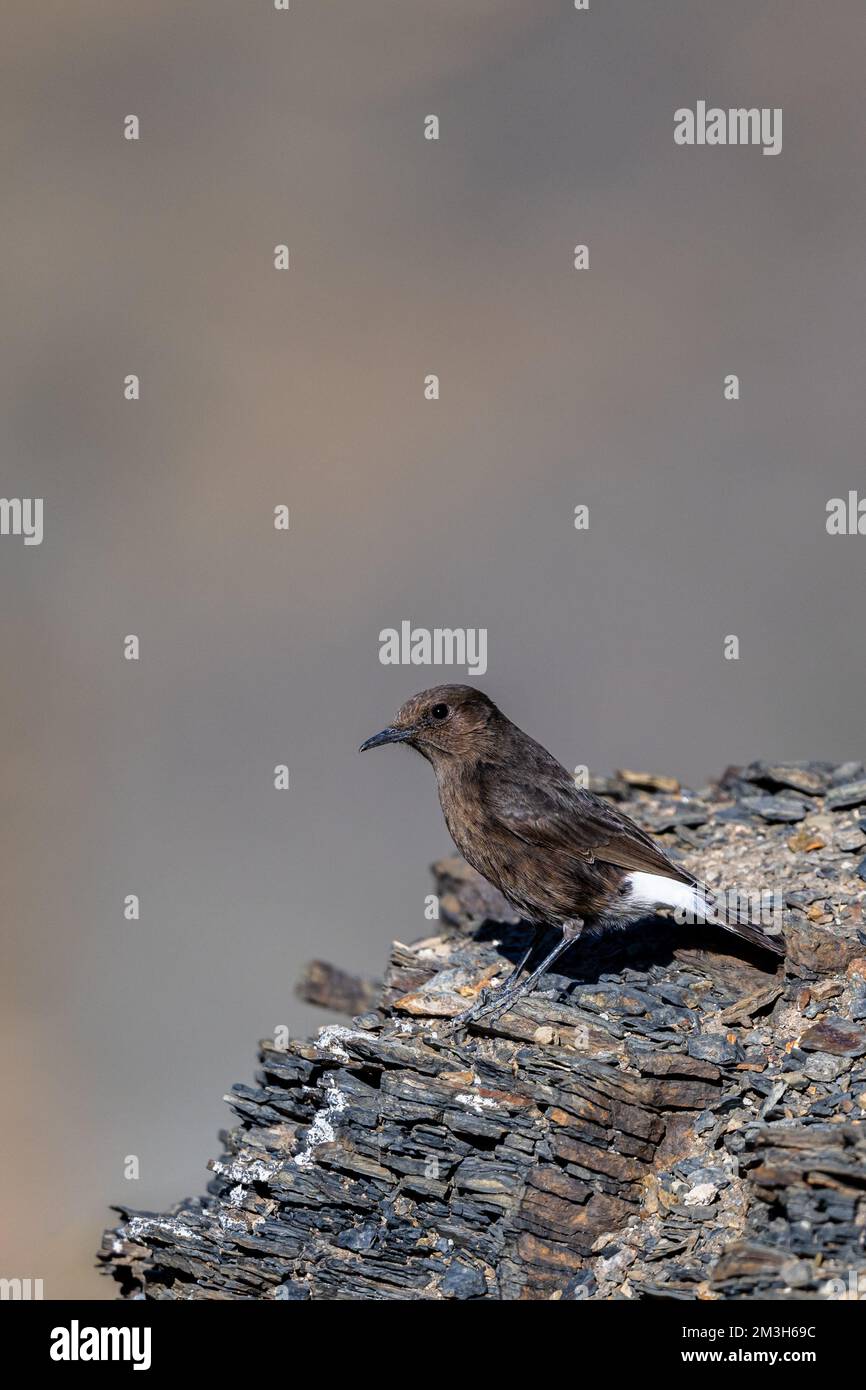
{"points": [[560, 855]]}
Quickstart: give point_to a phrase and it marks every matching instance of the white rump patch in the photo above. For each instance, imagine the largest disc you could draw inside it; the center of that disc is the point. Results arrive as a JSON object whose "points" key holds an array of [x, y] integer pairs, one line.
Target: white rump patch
{"points": [[646, 892]]}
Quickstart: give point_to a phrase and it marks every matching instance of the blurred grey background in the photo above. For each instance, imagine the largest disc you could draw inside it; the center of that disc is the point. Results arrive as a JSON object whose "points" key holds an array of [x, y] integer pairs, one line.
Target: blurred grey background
{"points": [[559, 388]]}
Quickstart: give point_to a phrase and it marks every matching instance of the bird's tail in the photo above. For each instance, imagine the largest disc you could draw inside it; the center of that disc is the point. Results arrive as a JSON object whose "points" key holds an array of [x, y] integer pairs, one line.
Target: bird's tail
{"points": [[727, 911], [694, 902]]}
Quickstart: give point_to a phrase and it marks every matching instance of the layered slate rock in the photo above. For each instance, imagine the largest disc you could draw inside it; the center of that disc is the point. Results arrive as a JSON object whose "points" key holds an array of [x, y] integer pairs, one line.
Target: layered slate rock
{"points": [[674, 1115]]}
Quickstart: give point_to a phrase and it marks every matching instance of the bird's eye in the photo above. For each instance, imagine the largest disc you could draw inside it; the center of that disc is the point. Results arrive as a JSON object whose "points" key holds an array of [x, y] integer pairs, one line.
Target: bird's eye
{"points": [[439, 712]]}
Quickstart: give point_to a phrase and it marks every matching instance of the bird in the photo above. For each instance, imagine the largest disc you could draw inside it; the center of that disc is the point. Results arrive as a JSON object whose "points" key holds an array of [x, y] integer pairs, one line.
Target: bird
{"points": [[559, 854]]}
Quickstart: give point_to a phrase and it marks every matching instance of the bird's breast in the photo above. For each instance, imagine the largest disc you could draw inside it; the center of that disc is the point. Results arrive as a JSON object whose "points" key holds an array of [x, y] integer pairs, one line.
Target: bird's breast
{"points": [[533, 886], [542, 882]]}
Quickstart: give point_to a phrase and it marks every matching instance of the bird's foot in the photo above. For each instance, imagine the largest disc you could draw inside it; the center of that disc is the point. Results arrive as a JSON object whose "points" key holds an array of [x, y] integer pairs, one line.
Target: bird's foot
{"points": [[489, 1004]]}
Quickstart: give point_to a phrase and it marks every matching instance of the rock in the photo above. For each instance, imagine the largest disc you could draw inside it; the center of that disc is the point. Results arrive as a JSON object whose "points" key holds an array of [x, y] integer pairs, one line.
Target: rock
{"points": [[650, 782], [801, 901], [823, 1067], [292, 1292], [330, 988], [849, 794], [776, 808], [737, 812], [850, 840], [718, 1177], [836, 1036], [845, 773], [817, 950], [701, 1195], [463, 1281], [661, 1120], [858, 1004], [811, 778], [805, 842], [714, 1047], [680, 815]]}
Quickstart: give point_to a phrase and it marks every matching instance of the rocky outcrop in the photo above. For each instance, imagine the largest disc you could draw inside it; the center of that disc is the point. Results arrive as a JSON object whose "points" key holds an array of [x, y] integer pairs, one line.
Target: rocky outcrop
{"points": [[672, 1115]]}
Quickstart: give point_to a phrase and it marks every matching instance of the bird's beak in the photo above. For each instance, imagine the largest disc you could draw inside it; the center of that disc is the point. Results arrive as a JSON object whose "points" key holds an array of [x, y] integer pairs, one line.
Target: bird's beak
{"points": [[386, 736]]}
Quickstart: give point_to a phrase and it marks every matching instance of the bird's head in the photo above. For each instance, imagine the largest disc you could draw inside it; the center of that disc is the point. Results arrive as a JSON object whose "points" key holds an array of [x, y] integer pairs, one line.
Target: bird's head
{"points": [[446, 721]]}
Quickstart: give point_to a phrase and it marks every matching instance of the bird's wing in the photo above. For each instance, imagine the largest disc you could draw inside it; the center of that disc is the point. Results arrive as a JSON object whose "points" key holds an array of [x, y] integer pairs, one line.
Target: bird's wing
{"points": [[560, 817]]}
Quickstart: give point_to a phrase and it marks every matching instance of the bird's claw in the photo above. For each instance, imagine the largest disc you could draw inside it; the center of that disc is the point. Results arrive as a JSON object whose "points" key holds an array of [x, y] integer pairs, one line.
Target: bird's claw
{"points": [[489, 1003]]}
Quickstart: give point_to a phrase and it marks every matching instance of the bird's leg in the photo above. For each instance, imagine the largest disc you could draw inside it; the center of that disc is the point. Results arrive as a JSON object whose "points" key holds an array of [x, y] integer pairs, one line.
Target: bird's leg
{"points": [[485, 996], [514, 989]]}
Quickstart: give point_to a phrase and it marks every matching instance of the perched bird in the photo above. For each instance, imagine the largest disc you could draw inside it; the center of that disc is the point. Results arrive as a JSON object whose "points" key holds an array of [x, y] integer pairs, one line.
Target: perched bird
{"points": [[560, 855]]}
